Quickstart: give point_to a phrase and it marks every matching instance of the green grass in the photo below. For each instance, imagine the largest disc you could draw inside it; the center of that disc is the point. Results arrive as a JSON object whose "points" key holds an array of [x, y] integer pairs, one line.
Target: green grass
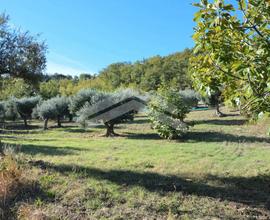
{"points": [[221, 169]]}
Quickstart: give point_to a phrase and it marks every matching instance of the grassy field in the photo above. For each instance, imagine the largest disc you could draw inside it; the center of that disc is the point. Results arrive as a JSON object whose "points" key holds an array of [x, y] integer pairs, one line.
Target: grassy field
{"points": [[220, 170]]}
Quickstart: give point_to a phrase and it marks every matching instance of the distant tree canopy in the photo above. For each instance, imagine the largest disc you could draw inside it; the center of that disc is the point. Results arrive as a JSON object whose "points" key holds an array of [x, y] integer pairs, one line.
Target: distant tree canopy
{"points": [[85, 76], [21, 55], [151, 73], [16, 87], [232, 52], [49, 89]]}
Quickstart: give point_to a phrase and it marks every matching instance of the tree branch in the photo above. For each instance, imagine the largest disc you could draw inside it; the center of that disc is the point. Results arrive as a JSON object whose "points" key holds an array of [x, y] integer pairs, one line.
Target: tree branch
{"points": [[222, 70], [253, 25]]}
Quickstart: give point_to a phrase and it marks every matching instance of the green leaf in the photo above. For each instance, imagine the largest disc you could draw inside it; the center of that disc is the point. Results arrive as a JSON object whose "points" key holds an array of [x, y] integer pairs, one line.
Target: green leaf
{"points": [[197, 16], [228, 7]]}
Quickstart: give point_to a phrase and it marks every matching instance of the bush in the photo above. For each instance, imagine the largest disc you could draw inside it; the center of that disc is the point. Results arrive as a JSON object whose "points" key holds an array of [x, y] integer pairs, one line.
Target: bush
{"points": [[101, 101], [11, 112], [190, 97], [167, 112], [25, 107], [54, 108]]}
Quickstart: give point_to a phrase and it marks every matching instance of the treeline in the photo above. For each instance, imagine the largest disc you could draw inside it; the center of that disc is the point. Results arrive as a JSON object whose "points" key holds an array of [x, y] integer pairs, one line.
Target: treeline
{"points": [[149, 74], [167, 109]]}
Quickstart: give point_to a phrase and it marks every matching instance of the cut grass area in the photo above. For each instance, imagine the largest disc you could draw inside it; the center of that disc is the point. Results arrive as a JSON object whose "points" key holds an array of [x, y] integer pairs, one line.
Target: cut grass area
{"points": [[220, 169]]}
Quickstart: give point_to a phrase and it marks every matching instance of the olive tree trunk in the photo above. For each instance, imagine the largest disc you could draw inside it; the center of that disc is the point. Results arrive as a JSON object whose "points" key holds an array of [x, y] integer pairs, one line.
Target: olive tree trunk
{"points": [[59, 122], [46, 124], [25, 122], [110, 130]]}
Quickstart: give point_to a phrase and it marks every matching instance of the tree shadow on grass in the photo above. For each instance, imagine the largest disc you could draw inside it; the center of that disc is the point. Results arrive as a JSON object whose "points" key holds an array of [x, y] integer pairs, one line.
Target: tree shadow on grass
{"points": [[142, 136], [21, 131], [213, 136], [20, 126], [208, 136], [139, 121], [23, 138], [221, 122], [253, 191], [77, 130], [9, 137], [48, 150]]}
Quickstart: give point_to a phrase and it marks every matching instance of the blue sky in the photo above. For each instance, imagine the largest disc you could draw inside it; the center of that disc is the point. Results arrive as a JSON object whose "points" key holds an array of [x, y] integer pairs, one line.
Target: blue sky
{"points": [[88, 35]]}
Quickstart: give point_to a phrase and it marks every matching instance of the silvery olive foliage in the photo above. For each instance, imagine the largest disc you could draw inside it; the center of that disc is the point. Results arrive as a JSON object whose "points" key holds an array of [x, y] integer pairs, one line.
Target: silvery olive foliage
{"points": [[82, 97], [25, 107], [107, 102], [54, 108]]}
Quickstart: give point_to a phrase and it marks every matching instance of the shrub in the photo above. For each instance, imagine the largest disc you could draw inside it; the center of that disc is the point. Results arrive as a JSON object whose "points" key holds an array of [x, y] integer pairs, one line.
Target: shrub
{"points": [[10, 176], [190, 97], [11, 112], [167, 114], [111, 117], [17, 183], [54, 108], [25, 107]]}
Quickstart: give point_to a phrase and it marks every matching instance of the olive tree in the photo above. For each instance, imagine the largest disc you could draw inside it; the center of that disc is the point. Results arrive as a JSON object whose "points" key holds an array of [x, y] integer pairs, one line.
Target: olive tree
{"points": [[109, 108], [83, 96], [25, 107], [55, 108]]}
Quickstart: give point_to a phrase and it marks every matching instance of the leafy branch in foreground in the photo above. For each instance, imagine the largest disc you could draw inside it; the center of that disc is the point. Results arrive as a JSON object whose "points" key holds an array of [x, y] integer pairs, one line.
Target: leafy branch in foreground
{"points": [[232, 52]]}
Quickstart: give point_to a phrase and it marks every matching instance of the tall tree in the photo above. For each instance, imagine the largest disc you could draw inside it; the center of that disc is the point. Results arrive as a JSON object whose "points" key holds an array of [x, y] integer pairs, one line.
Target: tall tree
{"points": [[232, 51], [21, 55]]}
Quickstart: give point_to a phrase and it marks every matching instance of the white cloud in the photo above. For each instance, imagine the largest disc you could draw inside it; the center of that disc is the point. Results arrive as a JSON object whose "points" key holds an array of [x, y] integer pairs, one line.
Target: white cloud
{"points": [[53, 67], [58, 63], [67, 60]]}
